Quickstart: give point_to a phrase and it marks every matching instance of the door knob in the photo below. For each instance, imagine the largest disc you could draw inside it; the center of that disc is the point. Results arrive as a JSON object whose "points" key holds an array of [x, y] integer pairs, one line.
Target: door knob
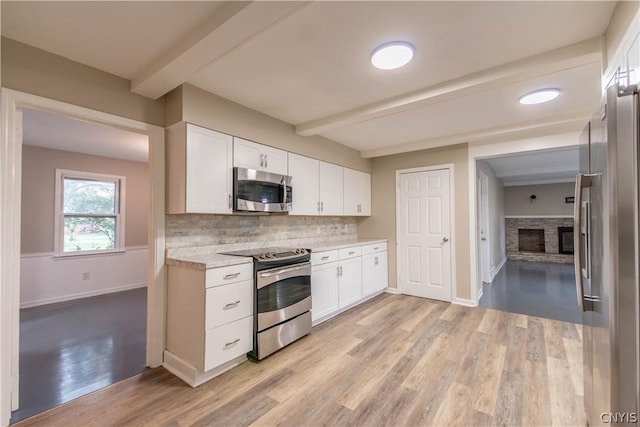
{"points": [[445, 239]]}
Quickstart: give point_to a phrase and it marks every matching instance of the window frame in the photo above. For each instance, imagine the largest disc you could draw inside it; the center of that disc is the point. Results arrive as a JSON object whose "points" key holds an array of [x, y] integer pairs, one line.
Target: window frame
{"points": [[60, 215]]}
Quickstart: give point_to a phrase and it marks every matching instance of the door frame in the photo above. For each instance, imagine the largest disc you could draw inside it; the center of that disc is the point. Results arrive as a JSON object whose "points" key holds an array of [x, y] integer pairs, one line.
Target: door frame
{"points": [[12, 102], [450, 168], [483, 150], [483, 222]]}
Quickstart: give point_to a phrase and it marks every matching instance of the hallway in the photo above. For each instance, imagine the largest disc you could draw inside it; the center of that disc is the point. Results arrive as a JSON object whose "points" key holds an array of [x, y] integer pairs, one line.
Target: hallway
{"points": [[535, 289]]}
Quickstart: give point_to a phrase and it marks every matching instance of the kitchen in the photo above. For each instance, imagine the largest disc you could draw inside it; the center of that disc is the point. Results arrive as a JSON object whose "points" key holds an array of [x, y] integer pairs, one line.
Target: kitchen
{"points": [[189, 103]]}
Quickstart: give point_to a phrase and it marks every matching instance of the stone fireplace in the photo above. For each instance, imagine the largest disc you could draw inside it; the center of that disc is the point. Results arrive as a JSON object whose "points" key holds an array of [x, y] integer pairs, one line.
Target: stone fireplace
{"points": [[530, 240], [538, 239]]}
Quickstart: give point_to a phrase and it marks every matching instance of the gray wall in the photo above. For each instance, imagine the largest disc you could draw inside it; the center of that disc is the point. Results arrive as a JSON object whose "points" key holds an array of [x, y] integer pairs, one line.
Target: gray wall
{"points": [[38, 194], [382, 224], [549, 199]]}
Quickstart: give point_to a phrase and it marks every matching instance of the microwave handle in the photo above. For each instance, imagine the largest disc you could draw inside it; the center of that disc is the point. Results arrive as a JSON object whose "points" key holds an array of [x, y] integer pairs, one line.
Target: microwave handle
{"points": [[284, 191]]}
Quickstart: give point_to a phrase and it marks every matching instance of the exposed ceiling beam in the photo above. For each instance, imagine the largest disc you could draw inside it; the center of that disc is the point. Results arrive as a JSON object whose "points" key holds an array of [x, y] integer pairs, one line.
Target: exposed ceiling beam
{"points": [[555, 125], [229, 27], [564, 58]]}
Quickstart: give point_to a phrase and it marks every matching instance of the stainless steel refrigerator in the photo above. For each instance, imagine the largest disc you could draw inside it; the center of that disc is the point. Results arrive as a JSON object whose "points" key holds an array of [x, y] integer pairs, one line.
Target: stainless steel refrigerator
{"points": [[607, 258]]}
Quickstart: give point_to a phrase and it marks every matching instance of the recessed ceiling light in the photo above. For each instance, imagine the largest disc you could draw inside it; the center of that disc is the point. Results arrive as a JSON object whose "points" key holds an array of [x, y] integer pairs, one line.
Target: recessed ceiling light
{"points": [[540, 96], [392, 55]]}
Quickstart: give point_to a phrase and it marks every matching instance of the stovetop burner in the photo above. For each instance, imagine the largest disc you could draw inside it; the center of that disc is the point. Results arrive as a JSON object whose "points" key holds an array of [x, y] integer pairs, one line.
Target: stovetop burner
{"points": [[268, 254]]}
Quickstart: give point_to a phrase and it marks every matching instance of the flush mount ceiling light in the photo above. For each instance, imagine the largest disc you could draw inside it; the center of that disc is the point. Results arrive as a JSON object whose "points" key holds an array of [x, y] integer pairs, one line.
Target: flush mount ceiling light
{"points": [[392, 55], [540, 96]]}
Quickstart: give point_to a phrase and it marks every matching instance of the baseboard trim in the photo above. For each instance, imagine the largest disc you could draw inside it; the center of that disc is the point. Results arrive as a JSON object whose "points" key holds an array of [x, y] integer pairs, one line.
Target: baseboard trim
{"points": [[29, 304], [395, 291], [496, 270], [190, 374], [464, 302]]}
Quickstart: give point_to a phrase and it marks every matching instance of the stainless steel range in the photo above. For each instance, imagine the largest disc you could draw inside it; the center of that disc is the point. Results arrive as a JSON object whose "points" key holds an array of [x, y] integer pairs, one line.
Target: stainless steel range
{"points": [[282, 299]]}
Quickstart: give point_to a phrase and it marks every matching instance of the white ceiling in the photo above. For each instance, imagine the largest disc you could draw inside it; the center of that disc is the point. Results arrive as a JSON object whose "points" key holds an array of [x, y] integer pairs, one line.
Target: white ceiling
{"points": [[543, 167], [42, 129], [307, 63]]}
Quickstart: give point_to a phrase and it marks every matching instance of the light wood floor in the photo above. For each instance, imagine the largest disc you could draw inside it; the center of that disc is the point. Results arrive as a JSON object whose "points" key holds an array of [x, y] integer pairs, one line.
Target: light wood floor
{"points": [[395, 360]]}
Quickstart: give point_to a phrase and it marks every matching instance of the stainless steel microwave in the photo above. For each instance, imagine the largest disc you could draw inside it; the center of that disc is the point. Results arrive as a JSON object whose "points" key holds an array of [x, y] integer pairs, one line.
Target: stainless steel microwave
{"points": [[258, 191]]}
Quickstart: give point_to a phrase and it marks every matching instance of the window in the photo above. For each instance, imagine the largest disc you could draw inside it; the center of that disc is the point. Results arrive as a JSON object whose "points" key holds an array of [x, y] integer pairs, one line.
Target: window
{"points": [[89, 213]]}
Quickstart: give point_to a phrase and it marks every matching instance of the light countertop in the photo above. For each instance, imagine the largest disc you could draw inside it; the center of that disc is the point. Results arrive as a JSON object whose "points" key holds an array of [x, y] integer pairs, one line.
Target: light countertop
{"points": [[331, 245], [211, 259], [208, 260]]}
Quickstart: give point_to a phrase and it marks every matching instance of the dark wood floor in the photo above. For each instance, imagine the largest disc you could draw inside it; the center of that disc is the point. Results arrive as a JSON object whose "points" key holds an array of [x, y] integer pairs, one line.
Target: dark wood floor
{"points": [[73, 348], [539, 289], [395, 360]]}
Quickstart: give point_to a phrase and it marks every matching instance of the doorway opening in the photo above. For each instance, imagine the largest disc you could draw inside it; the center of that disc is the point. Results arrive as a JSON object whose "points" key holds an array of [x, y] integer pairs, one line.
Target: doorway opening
{"points": [[529, 272], [83, 296]]}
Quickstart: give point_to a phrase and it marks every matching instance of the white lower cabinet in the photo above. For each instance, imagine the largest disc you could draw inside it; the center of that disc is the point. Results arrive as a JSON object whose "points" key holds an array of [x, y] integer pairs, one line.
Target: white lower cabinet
{"points": [[346, 277], [209, 320], [375, 273], [324, 290], [350, 281]]}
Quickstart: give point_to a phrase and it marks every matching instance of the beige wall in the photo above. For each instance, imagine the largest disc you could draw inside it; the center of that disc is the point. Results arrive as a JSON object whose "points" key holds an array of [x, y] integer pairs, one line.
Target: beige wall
{"points": [[549, 199], [35, 71], [38, 184], [618, 25], [497, 234], [383, 221], [211, 111]]}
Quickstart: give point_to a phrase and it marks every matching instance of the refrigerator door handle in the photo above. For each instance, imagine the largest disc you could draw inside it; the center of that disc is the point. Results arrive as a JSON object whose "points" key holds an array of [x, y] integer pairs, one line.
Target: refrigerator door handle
{"points": [[582, 181]]}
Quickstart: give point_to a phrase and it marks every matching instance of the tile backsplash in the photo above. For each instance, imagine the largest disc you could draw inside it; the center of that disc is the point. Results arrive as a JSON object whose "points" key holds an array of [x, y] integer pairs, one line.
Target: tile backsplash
{"points": [[208, 230]]}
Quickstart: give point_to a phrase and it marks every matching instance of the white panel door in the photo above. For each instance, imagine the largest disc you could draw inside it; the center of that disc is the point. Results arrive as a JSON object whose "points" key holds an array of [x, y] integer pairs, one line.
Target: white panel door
{"points": [[331, 189], [246, 154], [209, 177], [305, 184], [424, 234]]}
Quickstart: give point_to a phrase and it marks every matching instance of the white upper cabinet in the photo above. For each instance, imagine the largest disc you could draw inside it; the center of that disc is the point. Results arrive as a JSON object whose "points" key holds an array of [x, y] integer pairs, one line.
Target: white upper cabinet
{"points": [[199, 165], [305, 184], [331, 189], [357, 193], [247, 154]]}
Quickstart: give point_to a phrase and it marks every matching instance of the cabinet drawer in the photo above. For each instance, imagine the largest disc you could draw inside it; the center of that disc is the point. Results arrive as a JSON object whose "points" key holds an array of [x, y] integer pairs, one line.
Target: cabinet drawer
{"points": [[323, 257], [227, 342], [230, 274], [228, 303], [350, 252], [373, 248]]}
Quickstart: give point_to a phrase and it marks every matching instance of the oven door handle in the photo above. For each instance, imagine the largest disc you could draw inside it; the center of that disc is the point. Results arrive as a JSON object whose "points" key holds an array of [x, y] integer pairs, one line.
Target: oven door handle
{"points": [[268, 277]]}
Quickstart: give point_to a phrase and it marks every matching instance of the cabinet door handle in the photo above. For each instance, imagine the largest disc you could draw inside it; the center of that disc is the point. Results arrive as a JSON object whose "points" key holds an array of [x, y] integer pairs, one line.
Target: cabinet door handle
{"points": [[375, 261], [232, 343], [376, 248], [231, 304], [338, 271], [318, 206], [230, 202], [321, 206], [266, 160], [352, 252], [231, 276], [324, 258], [261, 160]]}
